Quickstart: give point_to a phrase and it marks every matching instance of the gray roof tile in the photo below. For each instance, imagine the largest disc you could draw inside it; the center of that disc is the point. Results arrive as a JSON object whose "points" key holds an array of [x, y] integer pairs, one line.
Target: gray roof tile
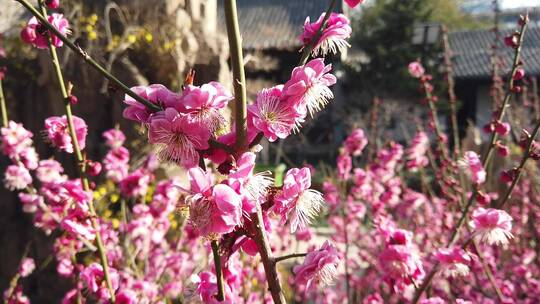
{"points": [[472, 53], [273, 24]]}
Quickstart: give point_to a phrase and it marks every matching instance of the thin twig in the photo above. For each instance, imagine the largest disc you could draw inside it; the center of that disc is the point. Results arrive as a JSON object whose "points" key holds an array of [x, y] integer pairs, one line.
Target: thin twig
{"points": [[219, 272], [84, 55], [289, 256], [80, 160]]}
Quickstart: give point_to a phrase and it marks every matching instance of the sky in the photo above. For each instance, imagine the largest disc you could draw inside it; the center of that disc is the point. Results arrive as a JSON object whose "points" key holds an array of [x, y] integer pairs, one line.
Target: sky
{"points": [[519, 3]]}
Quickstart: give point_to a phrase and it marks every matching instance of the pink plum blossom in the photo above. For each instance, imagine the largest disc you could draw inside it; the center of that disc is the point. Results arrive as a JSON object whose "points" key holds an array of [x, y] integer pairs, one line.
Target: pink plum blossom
{"points": [[15, 139], [57, 131], [492, 225], [319, 266], [416, 153], [308, 89], [114, 138], [178, 137], [272, 115], [355, 143], [157, 94], [296, 201], [17, 177], [135, 184], [37, 34], [455, 261], [26, 267], [212, 209], [204, 103], [473, 167], [334, 36], [416, 69], [93, 278]]}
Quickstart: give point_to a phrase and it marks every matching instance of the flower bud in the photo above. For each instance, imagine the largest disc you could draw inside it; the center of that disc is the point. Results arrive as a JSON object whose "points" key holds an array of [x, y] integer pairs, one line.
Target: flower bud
{"points": [[503, 150], [507, 176], [93, 168], [53, 4], [483, 198], [502, 128], [512, 40], [520, 73]]}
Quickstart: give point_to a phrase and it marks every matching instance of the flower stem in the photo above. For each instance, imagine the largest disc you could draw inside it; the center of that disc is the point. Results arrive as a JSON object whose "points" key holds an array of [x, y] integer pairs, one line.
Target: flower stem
{"points": [[519, 169], [79, 158], [235, 44], [289, 256], [239, 77], [306, 52], [3, 106], [78, 50], [485, 161], [219, 271]]}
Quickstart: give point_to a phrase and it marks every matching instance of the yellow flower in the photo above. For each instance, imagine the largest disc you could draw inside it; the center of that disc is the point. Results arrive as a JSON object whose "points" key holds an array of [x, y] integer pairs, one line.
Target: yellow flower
{"points": [[92, 35], [148, 37], [114, 198], [115, 223], [93, 19], [132, 38]]}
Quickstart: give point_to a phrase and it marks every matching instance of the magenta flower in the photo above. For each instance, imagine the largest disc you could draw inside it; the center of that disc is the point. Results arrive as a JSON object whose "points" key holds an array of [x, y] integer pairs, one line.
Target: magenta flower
{"points": [[355, 142], [26, 267], [455, 261], [212, 209], [320, 266], [52, 4], [333, 38], [116, 164], [344, 166], [204, 103], [17, 177], [296, 201], [36, 34], [492, 225], [136, 184], [94, 279], [401, 262], [353, 3], [178, 137], [272, 115], [473, 167], [416, 153], [207, 289], [157, 94], [114, 138], [50, 171], [15, 139], [308, 89], [57, 132], [252, 187], [416, 69]]}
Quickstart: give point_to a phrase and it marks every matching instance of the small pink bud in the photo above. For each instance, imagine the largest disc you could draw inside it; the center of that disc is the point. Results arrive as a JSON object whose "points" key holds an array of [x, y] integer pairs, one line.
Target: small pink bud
{"points": [[508, 176], [520, 73], [73, 100], [512, 40], [483, 198], [28, 34], [516, 89], [53, 4], [489, 128], [503, 150], [523, 20], [502, 128], [93, 168]]}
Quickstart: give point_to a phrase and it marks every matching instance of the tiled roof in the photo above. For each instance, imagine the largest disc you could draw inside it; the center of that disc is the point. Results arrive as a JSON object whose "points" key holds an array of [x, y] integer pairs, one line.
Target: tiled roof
{"points": [[472, 53], [273, 24]]}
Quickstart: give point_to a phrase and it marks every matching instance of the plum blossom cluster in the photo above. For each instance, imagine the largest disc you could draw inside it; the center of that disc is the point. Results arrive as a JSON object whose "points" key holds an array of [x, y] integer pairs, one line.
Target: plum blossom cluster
{"points": [[400, 222]]}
